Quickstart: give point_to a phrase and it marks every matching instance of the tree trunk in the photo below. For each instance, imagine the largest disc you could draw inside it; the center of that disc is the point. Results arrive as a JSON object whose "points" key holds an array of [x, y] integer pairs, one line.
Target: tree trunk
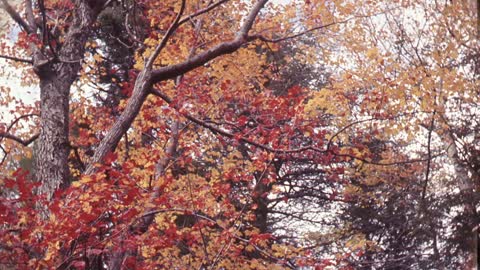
{"points": [[57, 73], [51, 167]]}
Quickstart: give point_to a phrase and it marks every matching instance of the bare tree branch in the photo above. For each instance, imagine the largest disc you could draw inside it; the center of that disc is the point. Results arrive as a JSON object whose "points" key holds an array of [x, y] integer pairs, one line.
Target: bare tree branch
{"points": [[212, 53], [201, 11], [276, 40], [7, 134], [17, 59], [5, 153], [18, 139], [429, 154], [16, 17]]}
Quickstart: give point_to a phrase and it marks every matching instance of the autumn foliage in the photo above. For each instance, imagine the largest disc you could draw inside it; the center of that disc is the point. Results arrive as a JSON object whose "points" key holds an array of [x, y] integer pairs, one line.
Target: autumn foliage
{"points": [[239, 134]]}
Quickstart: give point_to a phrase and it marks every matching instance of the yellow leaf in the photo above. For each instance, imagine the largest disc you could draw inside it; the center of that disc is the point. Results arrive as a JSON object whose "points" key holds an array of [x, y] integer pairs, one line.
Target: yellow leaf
{"points": [[97, 58]]}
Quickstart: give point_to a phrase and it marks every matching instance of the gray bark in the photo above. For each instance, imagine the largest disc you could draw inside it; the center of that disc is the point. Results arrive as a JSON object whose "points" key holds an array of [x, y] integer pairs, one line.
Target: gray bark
{"points": [[57, 74]]}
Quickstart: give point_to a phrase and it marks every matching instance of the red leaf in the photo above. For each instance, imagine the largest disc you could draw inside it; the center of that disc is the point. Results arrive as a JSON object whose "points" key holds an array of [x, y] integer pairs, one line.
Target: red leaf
{"points": [[95, 251], [78, 264]]}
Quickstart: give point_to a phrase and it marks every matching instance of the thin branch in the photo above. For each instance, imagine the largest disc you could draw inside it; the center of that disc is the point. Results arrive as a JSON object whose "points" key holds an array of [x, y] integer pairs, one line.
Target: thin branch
{"points": [[129, 32], [15, 121], [276, 40], [330, 141], [201, 11], [202, 235], [165, 38], [108, 2], [18, 139], [5, 153], [17, 59], [7, 134], [16, 17], [429, 155], [226, 47], [268, 148]]}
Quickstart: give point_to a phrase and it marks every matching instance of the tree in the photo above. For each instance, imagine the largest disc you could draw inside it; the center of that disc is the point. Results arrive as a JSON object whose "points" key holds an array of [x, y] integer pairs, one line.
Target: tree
{"points": [[233, 135], [61, 38]]}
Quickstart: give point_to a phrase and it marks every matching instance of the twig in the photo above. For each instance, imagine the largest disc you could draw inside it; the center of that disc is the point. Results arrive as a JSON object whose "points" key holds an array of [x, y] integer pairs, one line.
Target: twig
{"points": [[17, 59], [5, 153], [201, 11], [276, 40], [429, 155], [165, 38]]}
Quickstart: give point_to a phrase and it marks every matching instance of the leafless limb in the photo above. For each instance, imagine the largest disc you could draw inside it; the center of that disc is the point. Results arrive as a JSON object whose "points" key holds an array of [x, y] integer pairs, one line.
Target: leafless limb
{"points": [[16, 17], [129, 31], [7, 134], [17, 59], [201, 11], [15, 121], [5, 153], [276, 40]]}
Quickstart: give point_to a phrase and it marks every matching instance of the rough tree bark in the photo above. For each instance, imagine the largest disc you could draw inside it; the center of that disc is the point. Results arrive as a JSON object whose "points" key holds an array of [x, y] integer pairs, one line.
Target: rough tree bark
{"points": [[56, 77], [56, 71]]}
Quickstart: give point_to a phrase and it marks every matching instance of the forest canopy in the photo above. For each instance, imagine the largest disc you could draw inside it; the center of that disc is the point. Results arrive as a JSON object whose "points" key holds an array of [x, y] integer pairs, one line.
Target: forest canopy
{"points": [[235, 134]]}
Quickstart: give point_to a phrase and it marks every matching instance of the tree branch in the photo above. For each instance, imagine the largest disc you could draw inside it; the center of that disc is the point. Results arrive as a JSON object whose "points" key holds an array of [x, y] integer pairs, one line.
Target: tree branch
{"points": [[201, 11], [18, 139], [17, 59], [429, 155], [7, 134], [231, 135], [16, 17], [212, 53], [276, 40], [165, 38], [5, 153]]}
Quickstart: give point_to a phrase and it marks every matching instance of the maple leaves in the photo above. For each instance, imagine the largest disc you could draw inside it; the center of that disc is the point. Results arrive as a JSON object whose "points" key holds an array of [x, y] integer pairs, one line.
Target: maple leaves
{"points": [[277, 136]]}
